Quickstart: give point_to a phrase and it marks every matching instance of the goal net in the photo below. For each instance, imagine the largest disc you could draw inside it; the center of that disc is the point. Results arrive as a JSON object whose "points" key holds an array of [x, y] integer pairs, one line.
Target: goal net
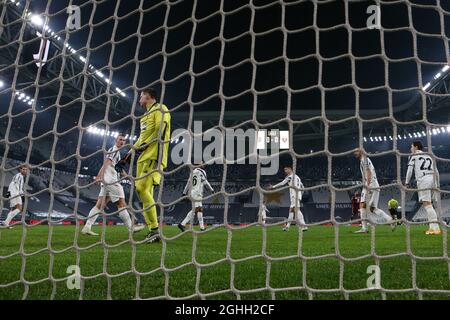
{"points": [[253, 88]]}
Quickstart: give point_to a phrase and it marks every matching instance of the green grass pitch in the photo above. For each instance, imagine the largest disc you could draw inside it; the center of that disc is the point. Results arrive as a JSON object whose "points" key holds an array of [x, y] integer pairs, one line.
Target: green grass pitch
{"points": [[318, 274]]}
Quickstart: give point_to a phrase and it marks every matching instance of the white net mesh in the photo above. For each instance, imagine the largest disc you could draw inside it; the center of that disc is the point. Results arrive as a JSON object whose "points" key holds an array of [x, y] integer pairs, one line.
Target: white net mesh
{"points": [[313, 68]]}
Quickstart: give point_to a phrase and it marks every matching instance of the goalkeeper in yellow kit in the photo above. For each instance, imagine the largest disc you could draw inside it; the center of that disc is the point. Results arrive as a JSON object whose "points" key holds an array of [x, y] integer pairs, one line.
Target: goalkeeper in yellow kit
{"points": [[152, 150]]}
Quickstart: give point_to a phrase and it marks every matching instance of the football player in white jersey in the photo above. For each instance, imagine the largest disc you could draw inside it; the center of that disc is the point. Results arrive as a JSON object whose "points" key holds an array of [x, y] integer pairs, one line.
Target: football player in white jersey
{"points": [[370, 194], [426, 176], [196, 184], [16, 191], [111, 190], [294, 183]]}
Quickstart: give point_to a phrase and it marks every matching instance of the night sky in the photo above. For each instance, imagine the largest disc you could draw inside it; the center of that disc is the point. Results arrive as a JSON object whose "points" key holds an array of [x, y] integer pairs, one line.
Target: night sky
{"points": [[297, 29]]}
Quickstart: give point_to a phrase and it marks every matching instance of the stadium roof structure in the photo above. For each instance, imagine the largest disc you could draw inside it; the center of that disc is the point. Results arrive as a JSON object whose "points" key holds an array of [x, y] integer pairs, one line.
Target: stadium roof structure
{"points": [[66, 72]]}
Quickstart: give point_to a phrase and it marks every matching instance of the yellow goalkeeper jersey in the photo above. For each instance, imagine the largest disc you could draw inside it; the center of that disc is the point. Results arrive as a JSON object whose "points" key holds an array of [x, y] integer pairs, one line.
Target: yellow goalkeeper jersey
{"points": [[156, 119]]}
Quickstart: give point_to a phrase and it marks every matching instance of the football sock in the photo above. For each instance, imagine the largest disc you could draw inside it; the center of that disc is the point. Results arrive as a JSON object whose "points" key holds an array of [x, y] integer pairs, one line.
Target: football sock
{"points": [[11, 216]]}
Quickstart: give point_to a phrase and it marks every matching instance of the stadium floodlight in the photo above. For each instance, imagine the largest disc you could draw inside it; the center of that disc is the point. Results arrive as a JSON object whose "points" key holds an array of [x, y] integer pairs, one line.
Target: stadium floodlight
{"points": [[384, 138], [2, 84], [101, 75], [410, 135], [365, 140], [36, 20], [438, 75], [424, 133], [434, 131], [371, 139], [120, 92], [444, 69], [448, 129]]}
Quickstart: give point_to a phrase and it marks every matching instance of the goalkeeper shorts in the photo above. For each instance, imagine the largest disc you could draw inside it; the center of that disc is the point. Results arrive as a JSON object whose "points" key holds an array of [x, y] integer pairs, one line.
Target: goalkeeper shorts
{"points": [[146, 170]]}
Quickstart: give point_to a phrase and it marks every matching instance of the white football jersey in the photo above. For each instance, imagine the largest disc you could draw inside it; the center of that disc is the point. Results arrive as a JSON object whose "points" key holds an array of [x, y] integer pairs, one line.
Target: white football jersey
{"points": [[198, 180], [294, 181], [111, 175], [16, 186], [364, 165], [422, 164]]}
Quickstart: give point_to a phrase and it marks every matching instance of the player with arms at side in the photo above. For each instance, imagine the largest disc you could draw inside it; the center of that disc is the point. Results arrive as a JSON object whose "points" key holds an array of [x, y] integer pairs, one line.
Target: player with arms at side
{"points": [[294, 183], [197, 182], [426, 176], [152, 150], [111, 190], [370, 194], [16, 191]]}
